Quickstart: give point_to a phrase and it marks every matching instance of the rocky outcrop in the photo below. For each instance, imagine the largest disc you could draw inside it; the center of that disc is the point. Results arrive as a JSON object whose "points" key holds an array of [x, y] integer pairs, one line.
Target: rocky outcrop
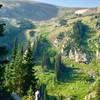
{"points": [[81, 12], [90, 96], [97, 55], [78, 56]]}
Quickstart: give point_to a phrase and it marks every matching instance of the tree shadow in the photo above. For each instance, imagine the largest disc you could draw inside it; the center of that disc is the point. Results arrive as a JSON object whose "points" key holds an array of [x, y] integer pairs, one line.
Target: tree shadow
{"points": [[52, 97], [69, 74]]}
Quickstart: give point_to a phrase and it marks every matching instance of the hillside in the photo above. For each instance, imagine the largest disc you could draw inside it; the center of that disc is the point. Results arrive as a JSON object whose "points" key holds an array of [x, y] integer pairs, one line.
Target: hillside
{"points": [[29, 10], [64, 49], [36, 11]]}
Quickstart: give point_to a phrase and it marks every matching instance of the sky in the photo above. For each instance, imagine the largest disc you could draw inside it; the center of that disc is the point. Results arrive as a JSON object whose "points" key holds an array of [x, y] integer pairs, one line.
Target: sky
{"points": [[68, 3], [73, 3]]}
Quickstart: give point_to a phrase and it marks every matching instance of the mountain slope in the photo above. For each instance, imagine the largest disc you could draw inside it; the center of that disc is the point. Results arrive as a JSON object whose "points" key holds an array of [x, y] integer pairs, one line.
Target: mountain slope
{"points": [[28, 10], [37, 11]]}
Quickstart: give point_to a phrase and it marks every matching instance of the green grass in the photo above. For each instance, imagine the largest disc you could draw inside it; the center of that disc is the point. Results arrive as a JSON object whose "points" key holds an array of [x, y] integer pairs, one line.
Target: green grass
{"points": [[75, 82]]}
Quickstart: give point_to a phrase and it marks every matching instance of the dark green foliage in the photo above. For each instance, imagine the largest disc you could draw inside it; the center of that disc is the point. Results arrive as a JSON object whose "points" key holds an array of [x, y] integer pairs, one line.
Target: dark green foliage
{"points": [[60, 97], [41, 45], [46, 63], [78, 37], [52, 52], [79, 34], [58, 66], [98, 90], [30, 79], [30, 94], [4, 94], [19, 73], [78, 41], [60, 36], [14, 74], [98, 24], [3, 50], [26, 24], [14, 52], [63, 22], [2, 29], [43, 92]]}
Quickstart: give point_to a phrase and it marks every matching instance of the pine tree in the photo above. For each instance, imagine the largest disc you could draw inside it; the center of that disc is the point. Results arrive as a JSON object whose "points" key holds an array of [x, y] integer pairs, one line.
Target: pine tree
{"points": [[4, 94], [58, 66], [14, 52], [60, 97], [30, 94], [3, 52], [79, 34], [2, 29], [46, 63], [14, 74], [30, 78], [43, 92], [19, 71], [78, 40]]}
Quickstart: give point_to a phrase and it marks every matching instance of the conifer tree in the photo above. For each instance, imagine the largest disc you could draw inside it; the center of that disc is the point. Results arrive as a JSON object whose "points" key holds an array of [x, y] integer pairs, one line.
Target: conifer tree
{"points": [[79, 35], [46, 63], [60, 97], [14, 52], [4, 94], [43, 92], [30, 78], [30, 94], [14, 74], [3, 51], [58, 66], [78, 39]]}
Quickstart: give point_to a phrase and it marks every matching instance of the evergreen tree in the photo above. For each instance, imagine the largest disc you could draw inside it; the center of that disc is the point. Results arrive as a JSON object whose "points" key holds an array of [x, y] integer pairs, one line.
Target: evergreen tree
{"points": [[2, 29], [58, 66], [3, 51], [78, 40], [41, 45], [14, 74], [60, 97], [10, 73], [79, 35], [46, 63], [43, 92], [14, 52], [30, 94], [4, 94], [30, 78], [98, 24]]}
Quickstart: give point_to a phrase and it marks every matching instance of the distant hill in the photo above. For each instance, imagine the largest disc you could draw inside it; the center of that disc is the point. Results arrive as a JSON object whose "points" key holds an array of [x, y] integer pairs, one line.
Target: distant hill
{"points": [[36, 11], [28, 10]]}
